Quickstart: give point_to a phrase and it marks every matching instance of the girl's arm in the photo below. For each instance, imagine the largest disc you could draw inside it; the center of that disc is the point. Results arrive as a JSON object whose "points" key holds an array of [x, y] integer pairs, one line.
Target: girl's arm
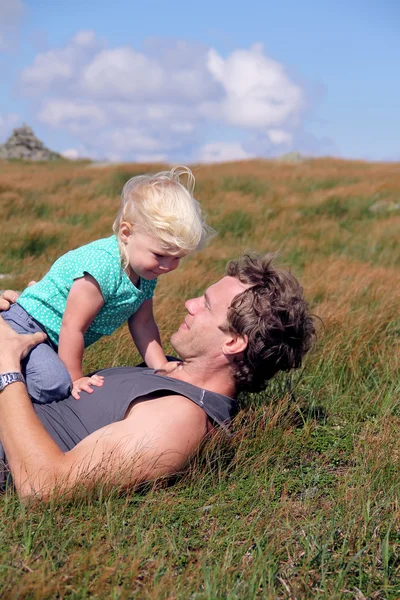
{"points": [[83, 303], [146, 336]]}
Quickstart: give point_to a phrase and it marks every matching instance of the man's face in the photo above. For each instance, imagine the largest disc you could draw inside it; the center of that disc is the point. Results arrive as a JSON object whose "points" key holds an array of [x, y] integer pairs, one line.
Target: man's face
{"points": [[200, 334]]}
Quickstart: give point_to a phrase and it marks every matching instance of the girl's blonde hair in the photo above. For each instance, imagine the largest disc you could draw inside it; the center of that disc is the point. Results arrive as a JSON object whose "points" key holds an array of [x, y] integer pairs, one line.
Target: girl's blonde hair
{"points": [[164, 208]]}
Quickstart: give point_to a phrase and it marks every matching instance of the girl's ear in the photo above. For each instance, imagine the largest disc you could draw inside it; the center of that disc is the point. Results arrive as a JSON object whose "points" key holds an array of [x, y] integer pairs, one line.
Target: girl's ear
{"points": [[125, 231], [235, 344]]}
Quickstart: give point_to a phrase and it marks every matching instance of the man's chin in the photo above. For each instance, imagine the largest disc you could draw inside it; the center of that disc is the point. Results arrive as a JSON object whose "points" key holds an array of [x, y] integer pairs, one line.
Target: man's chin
{"points": [[175, 342]]}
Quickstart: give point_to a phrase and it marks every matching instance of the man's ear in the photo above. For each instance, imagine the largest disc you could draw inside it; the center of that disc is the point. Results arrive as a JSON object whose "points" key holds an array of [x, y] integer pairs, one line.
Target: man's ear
{"points": [[235, 344], [125, 231]]}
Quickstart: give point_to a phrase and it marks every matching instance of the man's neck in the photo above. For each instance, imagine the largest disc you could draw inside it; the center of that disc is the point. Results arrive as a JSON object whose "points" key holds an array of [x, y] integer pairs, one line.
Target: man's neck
{"points": [[215, 378]]}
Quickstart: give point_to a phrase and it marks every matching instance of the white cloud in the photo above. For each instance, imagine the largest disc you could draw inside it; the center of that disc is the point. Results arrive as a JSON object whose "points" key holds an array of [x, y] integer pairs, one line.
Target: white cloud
{"points": [[151, 158], [261, 144], [11, 15], [258, 93], [129, 140], [221, 152], [123, 74], [163, 101], [182, 127], [278, 136], [49, 67], [85, 38], [76, 116], [71, 153], [60, 68]]}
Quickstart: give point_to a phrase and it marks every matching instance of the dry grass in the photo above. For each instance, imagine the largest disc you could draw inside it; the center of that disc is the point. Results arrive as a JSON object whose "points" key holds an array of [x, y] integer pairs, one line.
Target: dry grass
{"points": [[303, 501]]}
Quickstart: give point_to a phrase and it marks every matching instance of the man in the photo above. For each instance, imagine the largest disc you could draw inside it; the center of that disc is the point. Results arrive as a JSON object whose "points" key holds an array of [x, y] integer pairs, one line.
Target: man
{"points": [[141, 424]]}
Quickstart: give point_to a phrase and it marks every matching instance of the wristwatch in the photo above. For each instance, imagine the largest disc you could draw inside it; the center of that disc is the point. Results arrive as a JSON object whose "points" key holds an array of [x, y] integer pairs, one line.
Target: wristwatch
{"points": [[7, 378]]}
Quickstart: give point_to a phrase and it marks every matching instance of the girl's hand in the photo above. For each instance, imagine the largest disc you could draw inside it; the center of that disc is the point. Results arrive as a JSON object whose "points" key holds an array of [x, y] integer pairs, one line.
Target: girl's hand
{"points": [[9, 297], [83, 385], [170, 366]]}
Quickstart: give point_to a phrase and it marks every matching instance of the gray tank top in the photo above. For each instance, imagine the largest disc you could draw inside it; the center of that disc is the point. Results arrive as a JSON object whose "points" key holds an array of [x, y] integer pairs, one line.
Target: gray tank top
{"points": [[69, 421]]}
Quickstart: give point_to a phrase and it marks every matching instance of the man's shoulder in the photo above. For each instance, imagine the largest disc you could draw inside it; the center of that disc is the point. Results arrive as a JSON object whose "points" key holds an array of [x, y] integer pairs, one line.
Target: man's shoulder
{"points": [[167, 407]]}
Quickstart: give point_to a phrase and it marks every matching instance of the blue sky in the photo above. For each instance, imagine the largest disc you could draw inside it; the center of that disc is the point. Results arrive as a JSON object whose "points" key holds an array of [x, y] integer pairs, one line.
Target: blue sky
{"points": [[209, 81]]}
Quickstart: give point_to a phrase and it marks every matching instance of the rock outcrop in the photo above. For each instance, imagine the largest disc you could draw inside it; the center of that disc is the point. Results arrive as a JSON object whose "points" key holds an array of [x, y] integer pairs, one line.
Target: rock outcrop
{"points": [[24, 144], [291, 157]]}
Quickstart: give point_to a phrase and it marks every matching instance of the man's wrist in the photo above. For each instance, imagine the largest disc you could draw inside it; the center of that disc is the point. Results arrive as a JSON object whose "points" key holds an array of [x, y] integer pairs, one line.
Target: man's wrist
{"points": [[9, 364], [10, 377]]}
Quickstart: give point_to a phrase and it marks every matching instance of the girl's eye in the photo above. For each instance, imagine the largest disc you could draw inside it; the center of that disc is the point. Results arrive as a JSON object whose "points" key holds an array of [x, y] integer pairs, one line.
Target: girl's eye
{"points": [[158, 255]]}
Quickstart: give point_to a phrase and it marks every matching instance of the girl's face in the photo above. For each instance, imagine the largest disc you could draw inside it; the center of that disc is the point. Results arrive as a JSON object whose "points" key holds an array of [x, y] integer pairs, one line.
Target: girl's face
{"points": [[148, 257]]}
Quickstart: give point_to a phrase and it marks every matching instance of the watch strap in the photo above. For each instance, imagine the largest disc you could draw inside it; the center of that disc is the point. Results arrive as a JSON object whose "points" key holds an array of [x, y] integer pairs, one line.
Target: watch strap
{"points": [[12, 377]]}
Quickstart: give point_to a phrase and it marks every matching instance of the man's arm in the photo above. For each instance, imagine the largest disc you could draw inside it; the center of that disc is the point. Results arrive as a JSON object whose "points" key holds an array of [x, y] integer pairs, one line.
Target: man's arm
{"points": [[156, 438]]}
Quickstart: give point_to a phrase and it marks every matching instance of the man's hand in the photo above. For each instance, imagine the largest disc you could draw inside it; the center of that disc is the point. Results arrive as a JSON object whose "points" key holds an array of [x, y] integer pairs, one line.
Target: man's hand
{"points": [[83, 384], [14, 347]]}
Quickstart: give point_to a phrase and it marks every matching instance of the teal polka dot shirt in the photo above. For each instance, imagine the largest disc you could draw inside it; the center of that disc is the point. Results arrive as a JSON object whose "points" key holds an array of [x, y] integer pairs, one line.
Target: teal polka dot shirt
{"points": [[46, 300]]}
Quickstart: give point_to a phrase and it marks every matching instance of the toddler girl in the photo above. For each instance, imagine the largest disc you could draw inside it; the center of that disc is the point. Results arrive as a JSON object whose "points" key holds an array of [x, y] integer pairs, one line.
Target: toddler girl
{"points": [[89, 292]]}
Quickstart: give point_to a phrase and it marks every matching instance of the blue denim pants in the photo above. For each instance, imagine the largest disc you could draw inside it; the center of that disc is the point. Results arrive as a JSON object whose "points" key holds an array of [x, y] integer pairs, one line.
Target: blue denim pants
{"points": [[47, 378]]}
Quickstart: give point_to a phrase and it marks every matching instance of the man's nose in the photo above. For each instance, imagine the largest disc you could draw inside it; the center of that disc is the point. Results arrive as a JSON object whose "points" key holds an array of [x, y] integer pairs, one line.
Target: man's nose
{"points": [[190, 305]]}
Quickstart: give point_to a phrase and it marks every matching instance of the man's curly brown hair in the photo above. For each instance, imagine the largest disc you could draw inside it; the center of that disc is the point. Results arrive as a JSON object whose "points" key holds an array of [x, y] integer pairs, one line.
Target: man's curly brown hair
{"points": [[275, 317]]}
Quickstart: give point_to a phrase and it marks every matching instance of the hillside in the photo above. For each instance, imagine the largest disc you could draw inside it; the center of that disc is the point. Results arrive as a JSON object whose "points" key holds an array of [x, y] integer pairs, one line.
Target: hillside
{"points": [[303, 501]]}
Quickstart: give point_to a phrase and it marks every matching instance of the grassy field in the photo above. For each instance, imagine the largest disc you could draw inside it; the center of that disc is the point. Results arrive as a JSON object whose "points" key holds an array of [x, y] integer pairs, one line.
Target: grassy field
{"points": [[303, 500]]}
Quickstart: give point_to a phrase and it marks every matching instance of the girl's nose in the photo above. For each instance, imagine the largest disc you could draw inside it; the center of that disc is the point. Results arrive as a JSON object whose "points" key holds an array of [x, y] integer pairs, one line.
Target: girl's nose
{"points": [[169, 264]]}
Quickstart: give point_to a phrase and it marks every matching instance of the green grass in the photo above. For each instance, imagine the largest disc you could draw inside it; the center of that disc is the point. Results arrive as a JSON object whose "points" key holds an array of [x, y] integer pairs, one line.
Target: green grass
{"points": [[34, 245], [250, 186], [344, 208], [69, 183], [82, 219], [32, 203], [302, 501], [235, 224], [315, 185], [116, 181]]}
